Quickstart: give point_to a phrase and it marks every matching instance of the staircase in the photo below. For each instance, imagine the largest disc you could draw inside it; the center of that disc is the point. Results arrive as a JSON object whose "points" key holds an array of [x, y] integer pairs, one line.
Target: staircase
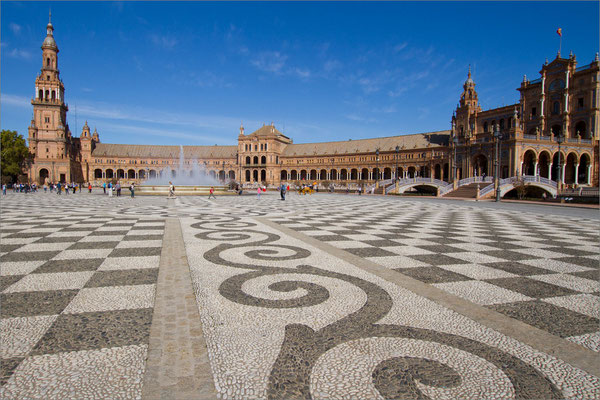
{"points": [[467, 191]]}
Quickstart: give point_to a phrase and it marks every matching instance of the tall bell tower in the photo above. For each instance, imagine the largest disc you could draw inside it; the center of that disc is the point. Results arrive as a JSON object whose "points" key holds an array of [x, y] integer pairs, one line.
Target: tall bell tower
{"points": [[49, 135]]}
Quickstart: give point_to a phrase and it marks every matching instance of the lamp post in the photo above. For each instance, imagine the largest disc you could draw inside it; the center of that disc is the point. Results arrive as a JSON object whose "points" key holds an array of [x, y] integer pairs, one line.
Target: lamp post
{"points": [[559, 140], [397, 152], [455, 166], [497, 136], [223, 171], [377, 167]]}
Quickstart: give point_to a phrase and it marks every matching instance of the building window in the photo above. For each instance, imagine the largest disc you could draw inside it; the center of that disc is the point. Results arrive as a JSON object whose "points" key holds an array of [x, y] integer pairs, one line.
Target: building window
{"points": [[502, 124], [533, 112], [580, 103], [485, 127], [556, 108], [265, 147]]}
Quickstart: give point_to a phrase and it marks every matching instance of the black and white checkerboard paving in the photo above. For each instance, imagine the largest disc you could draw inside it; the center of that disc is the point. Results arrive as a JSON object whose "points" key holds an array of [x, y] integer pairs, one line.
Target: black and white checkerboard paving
{"points": [[533, 268], [76, 295]]}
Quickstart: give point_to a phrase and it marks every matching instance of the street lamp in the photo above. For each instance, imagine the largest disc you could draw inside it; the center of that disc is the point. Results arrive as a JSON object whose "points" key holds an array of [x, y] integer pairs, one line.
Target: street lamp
{"points": [[377, 166], [497, 136], [223, 171], [559, 140], [397, 151], [455, 166]]}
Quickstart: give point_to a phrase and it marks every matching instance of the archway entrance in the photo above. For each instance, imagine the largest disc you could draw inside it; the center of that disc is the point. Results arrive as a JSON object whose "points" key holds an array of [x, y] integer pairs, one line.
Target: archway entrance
{"points": [[529, 163], [544, 165], [43, 176], [480, 165]]}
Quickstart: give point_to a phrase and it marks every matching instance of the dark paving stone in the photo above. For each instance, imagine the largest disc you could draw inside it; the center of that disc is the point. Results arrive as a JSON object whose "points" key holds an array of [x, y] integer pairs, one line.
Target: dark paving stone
{"points": [[437, 259], [504, 245], [303, 228], [6, 248], [142, 237], [26, 304], [6, 281], [517, 268], [433, 274], [581, 261], [556, 320], [441, 248], [370, 252], [381, 243], [591, 274], [83, 264], [58, 239], [77, 229], [136, 252], [108, 233], [7, 367], [147, 227], [123, 277], [330, 238], [392, 236], [571, 252], [93, 245], [28, 256], [509, 255], [28, 234], [531, 287], [96, 330], [445, 240]]}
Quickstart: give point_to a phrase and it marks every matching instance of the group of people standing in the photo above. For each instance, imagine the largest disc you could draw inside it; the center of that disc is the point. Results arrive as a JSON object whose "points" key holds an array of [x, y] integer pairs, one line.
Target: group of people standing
{"points": [[116, 189]]}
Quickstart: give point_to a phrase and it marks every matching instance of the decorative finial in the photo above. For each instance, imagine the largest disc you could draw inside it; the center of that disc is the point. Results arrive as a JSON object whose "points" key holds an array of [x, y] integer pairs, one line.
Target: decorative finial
{"points": [[524, 78], [558, 54], [49, 15], [596, 59], [242, 128], [546, 62], [571, 54]]}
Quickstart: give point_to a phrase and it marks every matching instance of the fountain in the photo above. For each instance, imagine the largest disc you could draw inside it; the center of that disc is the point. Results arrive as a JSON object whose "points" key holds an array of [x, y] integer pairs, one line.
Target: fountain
{"points": [[187, 182]]}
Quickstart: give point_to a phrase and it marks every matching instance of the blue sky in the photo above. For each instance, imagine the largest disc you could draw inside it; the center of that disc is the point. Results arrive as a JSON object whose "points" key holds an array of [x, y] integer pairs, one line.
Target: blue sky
{"points": [[190, 72]]}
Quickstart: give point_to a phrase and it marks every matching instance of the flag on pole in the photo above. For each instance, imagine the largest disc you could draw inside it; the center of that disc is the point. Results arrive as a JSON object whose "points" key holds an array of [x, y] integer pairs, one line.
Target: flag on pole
{"points": [[559, 31]]}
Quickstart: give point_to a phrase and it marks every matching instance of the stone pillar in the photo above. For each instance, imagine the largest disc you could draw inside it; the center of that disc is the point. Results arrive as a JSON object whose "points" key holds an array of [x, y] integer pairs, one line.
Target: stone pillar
{"points": [[535, 169], [550, 170], [577, 174], [589, 174], [521, 168], [562, 175]]}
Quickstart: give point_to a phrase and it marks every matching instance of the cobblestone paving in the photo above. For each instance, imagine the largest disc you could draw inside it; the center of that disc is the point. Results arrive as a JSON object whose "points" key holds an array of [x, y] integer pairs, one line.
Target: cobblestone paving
{"points": [[285, 319]]}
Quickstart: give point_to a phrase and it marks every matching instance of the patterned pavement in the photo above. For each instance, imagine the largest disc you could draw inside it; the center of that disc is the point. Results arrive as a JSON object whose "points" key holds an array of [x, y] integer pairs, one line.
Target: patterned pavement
{"points": [[285, 319]]}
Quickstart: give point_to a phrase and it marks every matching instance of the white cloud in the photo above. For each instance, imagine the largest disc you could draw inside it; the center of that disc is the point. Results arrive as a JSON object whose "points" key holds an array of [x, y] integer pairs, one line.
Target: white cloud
{"points": [[331, 65], [270, 61], [400, 47], [16, 101], [17, 53], [302, 73], [15, 28], [164, 41]]}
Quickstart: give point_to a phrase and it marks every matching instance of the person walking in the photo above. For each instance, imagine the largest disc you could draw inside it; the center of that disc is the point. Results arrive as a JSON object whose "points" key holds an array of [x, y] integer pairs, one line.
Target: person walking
{"points": [[110, 190], [90, 187], [212, 193], [58, 188], [104, 187], [132, 190], [282, 191], [118, 187], [258, 192], [4, 189], [171, 189]]}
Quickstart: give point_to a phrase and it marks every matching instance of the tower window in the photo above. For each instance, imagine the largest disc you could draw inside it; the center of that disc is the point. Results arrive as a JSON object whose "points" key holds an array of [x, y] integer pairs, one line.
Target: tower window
{"points": [[533, 111], [47, 77], [556, 108], [47, 62], [580, 102]]}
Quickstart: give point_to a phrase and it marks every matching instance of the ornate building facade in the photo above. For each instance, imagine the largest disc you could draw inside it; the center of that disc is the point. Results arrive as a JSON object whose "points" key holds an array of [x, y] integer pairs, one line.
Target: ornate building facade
{"points": [[552, 132]]}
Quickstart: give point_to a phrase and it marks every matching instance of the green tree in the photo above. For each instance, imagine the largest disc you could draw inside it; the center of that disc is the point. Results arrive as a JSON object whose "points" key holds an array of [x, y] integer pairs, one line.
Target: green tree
{"points": [[16, 157]]}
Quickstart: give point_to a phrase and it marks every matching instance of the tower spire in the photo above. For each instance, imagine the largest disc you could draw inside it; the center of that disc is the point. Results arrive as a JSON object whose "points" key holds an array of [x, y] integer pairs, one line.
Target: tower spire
{"points": [[49, 15]]}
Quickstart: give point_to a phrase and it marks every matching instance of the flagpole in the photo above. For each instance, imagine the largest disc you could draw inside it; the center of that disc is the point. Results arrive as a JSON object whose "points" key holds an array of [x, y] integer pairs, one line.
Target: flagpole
{"points": [[559, 31]]}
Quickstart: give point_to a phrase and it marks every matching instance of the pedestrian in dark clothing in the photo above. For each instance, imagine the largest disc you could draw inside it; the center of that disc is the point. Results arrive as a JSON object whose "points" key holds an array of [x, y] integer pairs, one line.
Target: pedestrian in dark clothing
{"points": [[282, 191]]}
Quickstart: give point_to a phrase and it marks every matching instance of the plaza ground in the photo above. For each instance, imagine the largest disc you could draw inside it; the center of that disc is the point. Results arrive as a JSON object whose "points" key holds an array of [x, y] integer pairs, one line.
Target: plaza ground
{"points": [[326, 296]]}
